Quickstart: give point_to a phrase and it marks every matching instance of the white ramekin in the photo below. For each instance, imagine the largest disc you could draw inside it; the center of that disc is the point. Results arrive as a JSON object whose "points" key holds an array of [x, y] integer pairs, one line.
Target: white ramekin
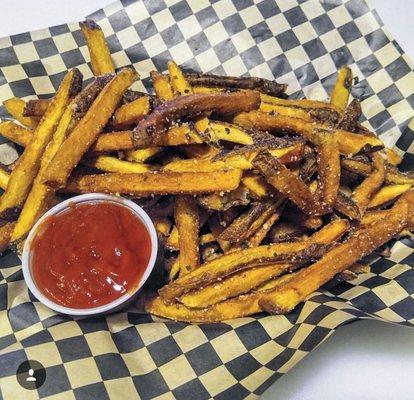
{"points": [[59, 208]]}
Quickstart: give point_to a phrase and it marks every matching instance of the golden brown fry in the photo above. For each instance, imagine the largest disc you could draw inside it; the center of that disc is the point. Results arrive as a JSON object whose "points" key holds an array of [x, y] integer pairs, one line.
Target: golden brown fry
{"points": [[6, 231], [342, 88], [387, 194], [233, 262], [41, 196], [224, 201], [4, 177], [141, 155], [162, 226], [101, 60], [350, 117], [178, 80], [346, 206], [285, 181], [15, 107], [358, 166], [341, 257], [36, 108], [304, 104], [187, 221], [26, 169], [130, 113], [162, 86], [15, 133], [257, 185], [363, 194], [329, 171], [257, 238], [147, 184], [172, 242], [394, 176], [113, 164], [150, 130], [349, 143], [393, 157], [113, 141], [245, 281], [88, 129]]}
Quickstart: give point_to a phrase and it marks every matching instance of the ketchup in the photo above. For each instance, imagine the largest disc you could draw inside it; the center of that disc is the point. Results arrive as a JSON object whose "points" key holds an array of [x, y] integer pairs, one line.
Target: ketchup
{"points": [[90, 254]]}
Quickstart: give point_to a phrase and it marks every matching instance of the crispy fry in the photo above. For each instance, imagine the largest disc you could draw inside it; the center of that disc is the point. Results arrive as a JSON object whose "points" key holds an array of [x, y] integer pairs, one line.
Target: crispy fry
{"points": [[15, 107], [113, 164], [172, 242], [130, 113], [151, 129], [262, 85], [363, 194], [113, 141], [187, 221], [341, 257], [146, 184], [350, 117], [394, 176], [88, 129], [214, 131], [257, 185], [41, 196], [346, 206], [349, 143], [36, 108], [245, 281], [6, 231], [16, 133], [224, 201], [4, 177], [342, 88], [228, 264], [178, 80], [203, 151], [393, 157], [141, 155], [257, 238], [357, 165], [101, 60], [25, 171], [304, 104], [285, 231], [162, 226], [387, 194], [162, 86]]}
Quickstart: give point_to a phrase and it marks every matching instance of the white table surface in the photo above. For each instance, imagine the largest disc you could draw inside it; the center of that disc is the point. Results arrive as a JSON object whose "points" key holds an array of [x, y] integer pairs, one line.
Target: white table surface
{"points": [[365, 360]]}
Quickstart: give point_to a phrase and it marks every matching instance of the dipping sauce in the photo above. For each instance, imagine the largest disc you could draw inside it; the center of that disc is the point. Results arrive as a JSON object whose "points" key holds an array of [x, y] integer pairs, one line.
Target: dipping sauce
{"points": [[90, 254]]}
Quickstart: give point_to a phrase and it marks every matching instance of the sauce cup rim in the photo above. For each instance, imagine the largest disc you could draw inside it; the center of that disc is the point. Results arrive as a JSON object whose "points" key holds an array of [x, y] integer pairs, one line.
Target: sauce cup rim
{"points": [[59, 208]]}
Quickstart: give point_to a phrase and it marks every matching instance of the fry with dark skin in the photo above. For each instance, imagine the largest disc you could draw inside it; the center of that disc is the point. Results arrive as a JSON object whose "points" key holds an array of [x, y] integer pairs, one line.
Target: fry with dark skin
{"points": [[361, 243], [88, 129], [15, 107], [6, 231], [346, 206], [342, 88], [350, 117], [101, 60], [151, 129], [36, 108], [146, 184], [26, 169]]}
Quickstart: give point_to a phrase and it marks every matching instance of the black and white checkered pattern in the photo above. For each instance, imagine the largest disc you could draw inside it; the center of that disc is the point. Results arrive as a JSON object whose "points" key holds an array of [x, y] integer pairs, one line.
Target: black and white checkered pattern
{"points": [[130, 354]]}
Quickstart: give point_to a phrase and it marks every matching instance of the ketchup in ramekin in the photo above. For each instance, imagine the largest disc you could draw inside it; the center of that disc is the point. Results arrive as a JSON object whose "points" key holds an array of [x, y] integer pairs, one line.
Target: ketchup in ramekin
{"points": [[90, 254]]}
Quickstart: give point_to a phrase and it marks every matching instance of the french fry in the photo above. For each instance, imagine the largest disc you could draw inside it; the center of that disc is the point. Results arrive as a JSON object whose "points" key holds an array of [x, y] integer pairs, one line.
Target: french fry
{"points": [[387, 194], [149, 183], [203, 151], [4, 177], [361, 243], [346, 206], [349, 143], [172, 242], [25, 171], [162, 226], [363, 194], [285, 231], [15, 107], [101, 60], [237, 160], [113, 141], [304, 104], [141, 155], [350, 117], [257, 185], [113, 164], [88, 129], [6, 231], [178, 80], [342, 88], [36, 108], [41, 196], [297, 217], [130, 113], [257, 238], [16, 133], [236, 261], [187, 221], [395, 177], [245, 281], [162, 86], [393, 157], [150, 130]]}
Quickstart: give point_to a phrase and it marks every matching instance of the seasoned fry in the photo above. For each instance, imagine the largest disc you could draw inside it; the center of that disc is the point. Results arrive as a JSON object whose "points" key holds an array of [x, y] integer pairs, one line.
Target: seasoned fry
{"points": [[392, 157], [346, 206], [149, 183], [257, 185], [342, 88], [16, 133], [36, 108], [15, 107], [361, 243], [41, 196], [101, 60], [387, 194], [162, 86], [179, 82], [349, 143], [224, 201], [304, 104], [130, 113], [88, 129], [151, 129], [228, 264], [187, 221], [162, 226], [262, 85], [113, 141], [245, 281], [141, 155], [213, 131], [257, 238], [113, 164], [4, 177], [6, 231], [366, 190], [25, 171], [350, 117]]}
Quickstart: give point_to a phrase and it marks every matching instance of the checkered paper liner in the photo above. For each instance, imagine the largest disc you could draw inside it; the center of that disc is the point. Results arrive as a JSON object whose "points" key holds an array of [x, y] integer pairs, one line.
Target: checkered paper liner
{"points": [[133, 355]]}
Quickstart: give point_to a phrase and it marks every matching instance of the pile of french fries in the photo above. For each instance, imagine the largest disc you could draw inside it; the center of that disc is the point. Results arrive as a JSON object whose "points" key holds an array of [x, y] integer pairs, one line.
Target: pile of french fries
{"points": [[258, 200]]}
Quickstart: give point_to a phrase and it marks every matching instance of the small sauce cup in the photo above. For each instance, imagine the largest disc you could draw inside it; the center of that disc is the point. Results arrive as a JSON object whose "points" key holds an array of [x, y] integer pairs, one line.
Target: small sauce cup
{"points": [[92, 198]]}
